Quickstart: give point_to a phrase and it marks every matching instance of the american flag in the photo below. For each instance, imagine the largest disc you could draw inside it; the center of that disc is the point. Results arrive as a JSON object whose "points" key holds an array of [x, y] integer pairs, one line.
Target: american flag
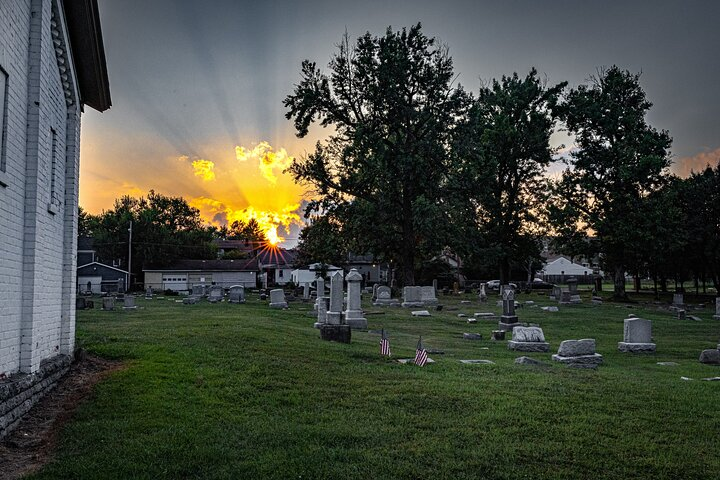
{"points": [[420, 354], [384, 344]]}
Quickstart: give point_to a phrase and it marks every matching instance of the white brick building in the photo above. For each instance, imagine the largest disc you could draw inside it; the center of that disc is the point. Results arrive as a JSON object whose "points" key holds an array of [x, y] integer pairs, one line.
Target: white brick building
{"points": [[52, 62]]}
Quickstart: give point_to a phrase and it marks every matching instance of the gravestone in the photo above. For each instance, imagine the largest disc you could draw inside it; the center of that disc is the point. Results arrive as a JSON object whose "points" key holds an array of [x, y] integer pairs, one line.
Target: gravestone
{"points": [[216, 294], [108, 303], [412, 297], [129, 302], [528, 339], [236, 294], [80, 303], [710, 356], [320, 291], [198, 290], [678, 300], [190, 300], [354, 314], [277, 298], [335, 333], [578, 353], [384, 297], [565, 297], [374, 291], [717, 309], [334, 314], [637, 336], [508, 319], [555, 293], [427, 296], [573, 289], [306, 291], [322, 308], [148, 293], [482, 294]]}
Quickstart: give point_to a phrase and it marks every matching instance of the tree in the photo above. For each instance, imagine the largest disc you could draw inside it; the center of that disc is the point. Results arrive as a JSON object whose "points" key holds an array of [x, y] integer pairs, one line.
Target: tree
{"points": [[321, 242], [250, 231], [618, 162], [503, 154], [382, 173], [164, 230]]}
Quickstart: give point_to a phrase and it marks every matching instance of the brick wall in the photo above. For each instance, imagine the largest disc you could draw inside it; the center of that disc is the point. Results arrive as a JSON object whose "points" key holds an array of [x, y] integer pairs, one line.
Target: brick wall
{"points": [[38, 201]]}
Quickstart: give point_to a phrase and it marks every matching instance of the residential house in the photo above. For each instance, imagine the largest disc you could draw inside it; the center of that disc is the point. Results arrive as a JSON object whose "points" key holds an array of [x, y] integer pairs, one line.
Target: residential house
{"points": [[183, 274]]}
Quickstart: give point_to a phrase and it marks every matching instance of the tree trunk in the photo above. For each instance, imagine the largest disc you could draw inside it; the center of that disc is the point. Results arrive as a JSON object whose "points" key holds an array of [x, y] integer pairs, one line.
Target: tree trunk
{"points": [[619, 287]]}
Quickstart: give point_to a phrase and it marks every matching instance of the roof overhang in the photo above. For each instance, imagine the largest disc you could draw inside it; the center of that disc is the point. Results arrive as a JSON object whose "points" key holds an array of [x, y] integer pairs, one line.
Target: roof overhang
{"points": [[86, 43]]}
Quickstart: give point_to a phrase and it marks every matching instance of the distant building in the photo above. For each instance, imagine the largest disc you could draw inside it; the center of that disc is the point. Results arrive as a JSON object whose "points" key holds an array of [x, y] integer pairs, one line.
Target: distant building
{"points": [[94, 276], [559, 269], [371, 270], [52, 63], [183, 274], [277, 264]]}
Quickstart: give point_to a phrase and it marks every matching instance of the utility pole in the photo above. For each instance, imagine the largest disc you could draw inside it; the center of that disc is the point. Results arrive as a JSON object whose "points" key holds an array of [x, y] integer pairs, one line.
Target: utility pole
{"points": [[127, 288]]}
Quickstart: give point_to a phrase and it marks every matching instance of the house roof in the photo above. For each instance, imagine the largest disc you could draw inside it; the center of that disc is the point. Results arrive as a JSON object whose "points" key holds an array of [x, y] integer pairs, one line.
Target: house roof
{"points": [[240, 265], [85, 243], [277, 256], [102, 265], [88, 51]]}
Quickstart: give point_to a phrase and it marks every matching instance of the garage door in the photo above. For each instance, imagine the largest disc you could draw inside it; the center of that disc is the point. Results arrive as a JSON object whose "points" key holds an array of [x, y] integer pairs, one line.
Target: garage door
{"points": [[175, 282]]}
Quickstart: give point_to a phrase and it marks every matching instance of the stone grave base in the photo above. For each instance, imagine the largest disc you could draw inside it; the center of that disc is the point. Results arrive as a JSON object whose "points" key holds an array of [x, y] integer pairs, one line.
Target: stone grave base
{"points": [[528, 346], [336, 333], [581, 361], [411, 361], [508, 323], [477, 362], [190, 300], [716, 317], [238, 301], [357, 323], [636, 347], [412, 304], [381, 302], [279, 305]]}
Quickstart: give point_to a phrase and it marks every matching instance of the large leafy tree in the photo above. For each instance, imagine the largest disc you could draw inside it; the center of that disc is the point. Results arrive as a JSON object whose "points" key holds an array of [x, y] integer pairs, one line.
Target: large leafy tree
{"points": [[503, 152], [619, 161], [322, 241], [392, 105], [164, 229]]}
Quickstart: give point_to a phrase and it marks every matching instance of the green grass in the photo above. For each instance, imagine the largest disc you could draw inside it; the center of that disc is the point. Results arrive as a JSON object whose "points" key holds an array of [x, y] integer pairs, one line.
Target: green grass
{"points": [[245, 392]]}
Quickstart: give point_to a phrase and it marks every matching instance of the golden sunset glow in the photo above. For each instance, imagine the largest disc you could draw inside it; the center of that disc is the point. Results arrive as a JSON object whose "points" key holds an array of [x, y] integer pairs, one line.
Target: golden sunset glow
{"points": [[227, 183], [204, 169]]}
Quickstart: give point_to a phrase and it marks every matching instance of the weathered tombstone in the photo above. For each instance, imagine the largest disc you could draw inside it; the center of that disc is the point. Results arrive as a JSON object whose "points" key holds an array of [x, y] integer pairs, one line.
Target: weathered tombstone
{"points": [[412, 297], [573, 289], [482, 294], [354, 314], [427, 296], [236, 294], [80, 303], [528, 339], [374, 291], [198, 290], [215, 294], [108, 303], [503, 288], [384, 297], [598, 284], [148, 293], [129, 302], [306, 291], [681, 314], [456, 288], [710, 356], [334, 314], [190, 300], [435, 284], [120, 285], [335, 333], [565, 297], [555, 293], [678, 300], [89, 287], [277, 298], [578, 353], [322, 308], [637, 336], [498, 335], [508, 320], [717, 309]]}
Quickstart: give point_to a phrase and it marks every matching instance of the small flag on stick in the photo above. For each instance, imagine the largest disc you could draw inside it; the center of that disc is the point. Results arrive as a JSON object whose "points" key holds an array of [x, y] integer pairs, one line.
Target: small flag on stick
{"points": [[384, 344], [421, 355]]}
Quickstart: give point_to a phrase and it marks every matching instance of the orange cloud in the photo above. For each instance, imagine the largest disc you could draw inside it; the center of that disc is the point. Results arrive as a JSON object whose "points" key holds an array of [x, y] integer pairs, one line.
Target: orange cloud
{"points": [[268, 160], [685, 166], [204, 169]]}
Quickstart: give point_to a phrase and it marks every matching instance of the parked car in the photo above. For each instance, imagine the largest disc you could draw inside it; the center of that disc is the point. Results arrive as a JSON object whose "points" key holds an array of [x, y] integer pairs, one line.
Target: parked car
{"points": [[540, 284], [495, 285]]}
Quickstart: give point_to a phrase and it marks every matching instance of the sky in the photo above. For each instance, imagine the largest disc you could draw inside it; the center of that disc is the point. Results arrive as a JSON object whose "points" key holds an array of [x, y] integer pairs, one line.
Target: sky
{"points": [[197, 86]]}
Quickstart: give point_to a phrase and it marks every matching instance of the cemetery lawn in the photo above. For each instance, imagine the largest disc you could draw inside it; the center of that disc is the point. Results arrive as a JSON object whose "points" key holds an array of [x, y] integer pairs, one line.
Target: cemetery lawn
{"points": [[245, 392]]}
